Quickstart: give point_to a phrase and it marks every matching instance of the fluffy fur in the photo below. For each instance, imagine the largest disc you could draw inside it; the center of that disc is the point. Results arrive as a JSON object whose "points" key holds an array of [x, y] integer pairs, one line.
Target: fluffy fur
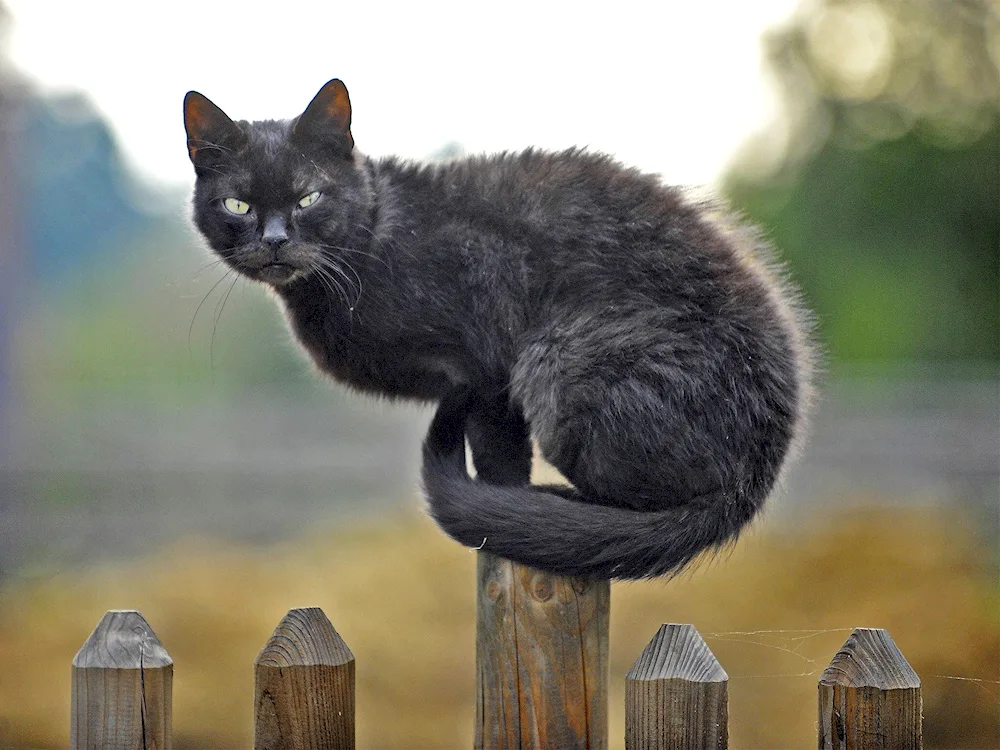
{"points": [[644, 342]]}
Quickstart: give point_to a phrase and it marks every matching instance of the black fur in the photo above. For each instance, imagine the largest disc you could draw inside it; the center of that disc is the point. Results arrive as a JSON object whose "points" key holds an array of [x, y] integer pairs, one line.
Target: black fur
{"points": [[638, 336]]}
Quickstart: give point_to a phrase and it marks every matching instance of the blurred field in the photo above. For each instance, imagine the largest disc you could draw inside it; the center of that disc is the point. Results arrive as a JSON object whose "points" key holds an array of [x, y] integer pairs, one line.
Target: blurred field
{"points": [[402, 597]]}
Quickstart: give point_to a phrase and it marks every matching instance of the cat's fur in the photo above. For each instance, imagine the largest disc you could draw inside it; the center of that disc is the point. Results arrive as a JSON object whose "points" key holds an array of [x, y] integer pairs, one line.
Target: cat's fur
{"points": [[656, 358]]}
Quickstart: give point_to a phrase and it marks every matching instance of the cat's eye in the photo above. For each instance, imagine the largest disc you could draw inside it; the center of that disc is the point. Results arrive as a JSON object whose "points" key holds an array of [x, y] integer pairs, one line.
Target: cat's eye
{"points": [[308, 200], [236, 206]]}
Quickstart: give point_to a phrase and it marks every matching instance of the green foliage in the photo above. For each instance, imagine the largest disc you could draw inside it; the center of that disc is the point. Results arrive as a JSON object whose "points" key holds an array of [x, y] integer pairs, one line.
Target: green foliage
{"points": [[886, 196]]}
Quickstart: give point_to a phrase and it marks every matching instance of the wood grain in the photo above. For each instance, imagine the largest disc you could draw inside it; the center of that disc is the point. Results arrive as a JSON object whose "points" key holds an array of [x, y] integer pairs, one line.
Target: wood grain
{"points": [[676, 694], [122, 687], [541, 659], [869, 697], [304, 686]]}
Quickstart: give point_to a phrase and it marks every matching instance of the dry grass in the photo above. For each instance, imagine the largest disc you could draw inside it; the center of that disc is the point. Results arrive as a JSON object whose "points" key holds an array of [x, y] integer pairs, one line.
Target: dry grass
{"points": [[402, 597]]}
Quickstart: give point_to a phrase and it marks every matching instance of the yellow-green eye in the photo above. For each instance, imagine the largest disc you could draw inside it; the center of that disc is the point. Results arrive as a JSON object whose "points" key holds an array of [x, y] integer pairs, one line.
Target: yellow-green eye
{"points": [[236, 206], [308, 200]]}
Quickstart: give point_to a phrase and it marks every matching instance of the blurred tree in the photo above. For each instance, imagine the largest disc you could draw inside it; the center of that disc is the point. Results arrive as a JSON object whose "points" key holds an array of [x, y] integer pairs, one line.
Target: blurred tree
{"points": [[882, 183], [76, 203]]}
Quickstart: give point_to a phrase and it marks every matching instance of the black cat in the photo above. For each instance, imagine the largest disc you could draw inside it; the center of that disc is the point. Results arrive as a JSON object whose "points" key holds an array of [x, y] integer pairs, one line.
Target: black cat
{"points": [[642, 340]]}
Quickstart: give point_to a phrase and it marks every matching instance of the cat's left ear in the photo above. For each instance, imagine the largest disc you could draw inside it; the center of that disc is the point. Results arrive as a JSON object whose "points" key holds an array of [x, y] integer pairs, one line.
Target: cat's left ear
{"points": [[328, 117], [210, 132]]}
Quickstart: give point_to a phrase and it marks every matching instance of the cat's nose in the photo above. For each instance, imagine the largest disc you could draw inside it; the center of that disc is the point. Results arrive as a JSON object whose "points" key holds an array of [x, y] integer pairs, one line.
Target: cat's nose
{"points": [[275, 232]]}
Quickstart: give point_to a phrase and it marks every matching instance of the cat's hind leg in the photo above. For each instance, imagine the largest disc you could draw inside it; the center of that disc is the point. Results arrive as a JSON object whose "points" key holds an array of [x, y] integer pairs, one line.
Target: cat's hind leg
{"points": [[605, 398], [500, 441]]}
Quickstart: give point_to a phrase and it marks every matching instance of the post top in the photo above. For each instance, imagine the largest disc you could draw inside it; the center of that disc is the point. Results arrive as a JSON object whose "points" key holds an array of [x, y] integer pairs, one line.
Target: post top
{"points": [[677, 652], [870, 658], [304, 637], [122, 640]]}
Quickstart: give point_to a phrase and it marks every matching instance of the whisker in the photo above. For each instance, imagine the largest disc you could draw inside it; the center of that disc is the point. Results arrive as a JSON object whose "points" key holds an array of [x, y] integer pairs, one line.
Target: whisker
{"points": [[331, 284], [356, 276], [335, 282], [356, 251], [204, 267], [218, 315], [211, 169], [209, 145], [195, 316], [332, 265], [343, 294]]}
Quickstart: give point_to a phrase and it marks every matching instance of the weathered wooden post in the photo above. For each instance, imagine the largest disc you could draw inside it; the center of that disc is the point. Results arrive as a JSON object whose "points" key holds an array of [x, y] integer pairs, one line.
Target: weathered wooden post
{"points": [[541, 659], [304, 686], [122, 687], [869, 697], [676, 695]]}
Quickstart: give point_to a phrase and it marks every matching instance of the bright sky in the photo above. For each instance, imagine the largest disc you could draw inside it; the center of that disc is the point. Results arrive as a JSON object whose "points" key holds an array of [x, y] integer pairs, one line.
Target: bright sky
{"points": [[672, 86]]}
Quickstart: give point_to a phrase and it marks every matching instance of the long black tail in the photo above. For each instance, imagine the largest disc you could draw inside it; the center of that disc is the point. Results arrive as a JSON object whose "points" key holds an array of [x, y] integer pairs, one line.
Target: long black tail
{"points": [[550, 528]]}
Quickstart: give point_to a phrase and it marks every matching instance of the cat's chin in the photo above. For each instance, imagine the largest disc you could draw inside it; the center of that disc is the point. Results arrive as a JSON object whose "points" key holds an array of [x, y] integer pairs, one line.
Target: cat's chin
{"points": [[277, 274]]}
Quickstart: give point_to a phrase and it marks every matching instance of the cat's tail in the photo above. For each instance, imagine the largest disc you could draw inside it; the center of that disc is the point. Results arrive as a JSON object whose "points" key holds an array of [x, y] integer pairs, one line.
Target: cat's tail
{"points": [[546, 528]]}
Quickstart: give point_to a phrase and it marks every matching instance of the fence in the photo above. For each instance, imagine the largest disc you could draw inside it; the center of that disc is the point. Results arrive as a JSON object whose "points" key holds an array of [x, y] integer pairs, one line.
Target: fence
{"points": [[542, 677]]}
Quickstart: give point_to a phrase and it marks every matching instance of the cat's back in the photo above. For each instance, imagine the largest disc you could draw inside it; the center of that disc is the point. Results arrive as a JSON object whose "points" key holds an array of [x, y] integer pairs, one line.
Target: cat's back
{"points": [[577, 200], [556, 189], [580, 225]]}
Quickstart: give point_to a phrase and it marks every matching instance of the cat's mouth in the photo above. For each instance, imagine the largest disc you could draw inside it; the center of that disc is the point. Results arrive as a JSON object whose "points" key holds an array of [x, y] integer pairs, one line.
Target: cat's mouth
{"points": [[275, 266]]}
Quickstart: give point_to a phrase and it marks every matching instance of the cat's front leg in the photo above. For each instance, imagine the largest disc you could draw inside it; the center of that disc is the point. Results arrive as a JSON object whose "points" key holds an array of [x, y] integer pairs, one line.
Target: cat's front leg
{"points": [[500, 441]]}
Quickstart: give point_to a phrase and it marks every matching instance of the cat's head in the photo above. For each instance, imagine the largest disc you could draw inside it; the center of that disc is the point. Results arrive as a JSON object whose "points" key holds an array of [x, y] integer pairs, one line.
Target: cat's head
{"points": [[275, 199]]}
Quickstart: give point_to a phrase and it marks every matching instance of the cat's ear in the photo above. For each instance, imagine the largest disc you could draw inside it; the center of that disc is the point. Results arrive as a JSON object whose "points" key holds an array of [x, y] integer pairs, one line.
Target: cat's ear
{"points": [[328, 117], [210, 132]]}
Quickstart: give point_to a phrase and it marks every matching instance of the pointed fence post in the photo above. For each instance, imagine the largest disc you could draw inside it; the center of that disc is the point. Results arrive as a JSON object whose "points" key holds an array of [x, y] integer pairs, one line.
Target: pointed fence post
{"points": [[676, 694], [869, 697], [541, 659], [304, 686], [122, 687]]}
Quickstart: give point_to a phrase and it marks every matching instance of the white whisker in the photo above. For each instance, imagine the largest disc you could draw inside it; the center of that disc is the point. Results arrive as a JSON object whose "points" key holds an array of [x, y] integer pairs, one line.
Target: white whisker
{"points": [[198, 308], [218, 314], [331, 265]]}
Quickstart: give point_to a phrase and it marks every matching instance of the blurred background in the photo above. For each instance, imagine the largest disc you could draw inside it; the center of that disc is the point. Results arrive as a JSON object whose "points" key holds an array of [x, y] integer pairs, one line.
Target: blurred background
{"points": [[163, 446]]}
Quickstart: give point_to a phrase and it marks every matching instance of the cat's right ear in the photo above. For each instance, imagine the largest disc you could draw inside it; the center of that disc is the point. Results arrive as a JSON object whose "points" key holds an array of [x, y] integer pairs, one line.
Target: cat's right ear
{"points": [[210, 133], [327, 119]]}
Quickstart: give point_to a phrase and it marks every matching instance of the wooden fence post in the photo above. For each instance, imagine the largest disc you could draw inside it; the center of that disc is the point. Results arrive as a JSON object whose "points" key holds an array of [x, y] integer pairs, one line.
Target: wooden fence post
{"points": [[304, 686], [541, 659], [122, 687], [676, 694], [869, 697]]}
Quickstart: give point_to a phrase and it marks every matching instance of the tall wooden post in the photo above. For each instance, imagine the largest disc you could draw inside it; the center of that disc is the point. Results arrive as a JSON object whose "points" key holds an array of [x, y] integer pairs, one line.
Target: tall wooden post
{"points": [[869, 697], [304, 686], [122, 687], [541, 659], [676, 695]]}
